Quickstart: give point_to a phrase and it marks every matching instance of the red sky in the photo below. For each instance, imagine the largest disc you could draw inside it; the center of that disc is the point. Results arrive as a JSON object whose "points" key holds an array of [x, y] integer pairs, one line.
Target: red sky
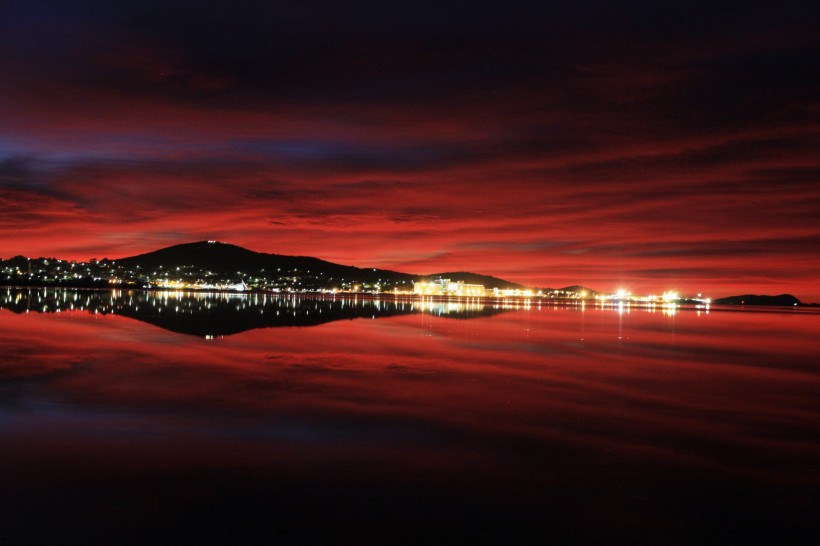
{"points": [[650, 148]]}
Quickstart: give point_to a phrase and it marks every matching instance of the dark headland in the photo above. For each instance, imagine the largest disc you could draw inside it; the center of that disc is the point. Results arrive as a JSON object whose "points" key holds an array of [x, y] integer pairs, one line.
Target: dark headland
{"points": [[753, 299]]}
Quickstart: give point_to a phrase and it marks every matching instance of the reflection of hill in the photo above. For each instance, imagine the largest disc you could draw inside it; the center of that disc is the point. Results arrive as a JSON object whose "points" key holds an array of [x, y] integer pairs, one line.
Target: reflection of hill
{"points": [[219, 314]]}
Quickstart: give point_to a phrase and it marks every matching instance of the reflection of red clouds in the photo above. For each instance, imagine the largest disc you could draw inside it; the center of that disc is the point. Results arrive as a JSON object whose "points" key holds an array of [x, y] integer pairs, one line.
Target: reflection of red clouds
{"points": [[544, 373], [523, 412]]}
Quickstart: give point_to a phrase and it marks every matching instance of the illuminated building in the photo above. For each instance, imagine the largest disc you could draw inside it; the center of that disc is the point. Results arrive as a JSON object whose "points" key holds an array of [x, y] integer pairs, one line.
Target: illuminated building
{"points": [[446, 287], [511, 293], [433, 288]]}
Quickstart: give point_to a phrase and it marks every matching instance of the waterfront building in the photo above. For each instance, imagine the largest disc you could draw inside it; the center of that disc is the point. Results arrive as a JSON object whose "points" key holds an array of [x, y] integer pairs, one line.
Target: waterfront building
{"points": [[446, 287]]}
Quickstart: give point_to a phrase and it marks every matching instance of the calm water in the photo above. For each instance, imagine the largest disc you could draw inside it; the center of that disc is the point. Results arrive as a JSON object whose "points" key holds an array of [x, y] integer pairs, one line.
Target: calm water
{"points": [[145, 418]]}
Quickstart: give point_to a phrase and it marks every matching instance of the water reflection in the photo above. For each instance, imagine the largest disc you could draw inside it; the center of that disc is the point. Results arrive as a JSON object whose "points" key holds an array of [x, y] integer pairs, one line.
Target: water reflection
{"points": [[217, 314], [212, 314], [541, 424]]}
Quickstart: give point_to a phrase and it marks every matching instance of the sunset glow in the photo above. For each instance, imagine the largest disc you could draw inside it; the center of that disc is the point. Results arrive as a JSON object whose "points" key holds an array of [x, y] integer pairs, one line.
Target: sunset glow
{"points": [[609, 146]]}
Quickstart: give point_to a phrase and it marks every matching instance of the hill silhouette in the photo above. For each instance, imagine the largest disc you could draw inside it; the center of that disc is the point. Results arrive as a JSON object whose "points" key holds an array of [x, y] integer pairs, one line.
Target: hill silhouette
{"points": [[473, 278], [226, 258]]}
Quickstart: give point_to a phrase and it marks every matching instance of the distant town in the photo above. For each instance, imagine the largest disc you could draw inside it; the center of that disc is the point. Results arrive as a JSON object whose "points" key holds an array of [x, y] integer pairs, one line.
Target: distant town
{"points": [[448, 288], [212, 266]]}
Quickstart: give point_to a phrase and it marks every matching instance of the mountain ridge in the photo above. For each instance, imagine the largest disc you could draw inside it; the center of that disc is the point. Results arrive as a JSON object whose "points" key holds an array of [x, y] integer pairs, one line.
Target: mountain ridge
{"points": [[224, 257]]}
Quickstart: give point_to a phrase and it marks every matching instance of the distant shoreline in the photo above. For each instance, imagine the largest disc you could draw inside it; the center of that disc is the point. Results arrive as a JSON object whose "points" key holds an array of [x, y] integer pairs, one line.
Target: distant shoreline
{"points": [[540, 300]]}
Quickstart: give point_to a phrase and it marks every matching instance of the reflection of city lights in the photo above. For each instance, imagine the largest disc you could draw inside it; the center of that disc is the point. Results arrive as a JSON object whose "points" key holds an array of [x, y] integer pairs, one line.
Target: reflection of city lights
{"points": [[669, 310]]}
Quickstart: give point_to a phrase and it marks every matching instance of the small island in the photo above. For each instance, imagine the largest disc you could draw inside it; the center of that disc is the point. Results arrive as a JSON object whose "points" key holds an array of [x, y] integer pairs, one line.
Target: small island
{"points": [[782, 300]]}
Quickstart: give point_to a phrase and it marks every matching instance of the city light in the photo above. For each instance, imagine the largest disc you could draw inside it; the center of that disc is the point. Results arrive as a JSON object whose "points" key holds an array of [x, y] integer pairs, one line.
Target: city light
{"points": [[174, 276], [671, 296]]}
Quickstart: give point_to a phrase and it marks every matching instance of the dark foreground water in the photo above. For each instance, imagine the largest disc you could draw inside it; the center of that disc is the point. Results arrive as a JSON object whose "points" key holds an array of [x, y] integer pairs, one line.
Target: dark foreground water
{"points": [[184, 419]]}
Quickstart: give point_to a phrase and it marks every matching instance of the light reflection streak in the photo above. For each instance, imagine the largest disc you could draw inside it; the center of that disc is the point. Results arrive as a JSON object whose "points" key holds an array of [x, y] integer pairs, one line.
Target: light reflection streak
{"points": [[196, 304]]}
